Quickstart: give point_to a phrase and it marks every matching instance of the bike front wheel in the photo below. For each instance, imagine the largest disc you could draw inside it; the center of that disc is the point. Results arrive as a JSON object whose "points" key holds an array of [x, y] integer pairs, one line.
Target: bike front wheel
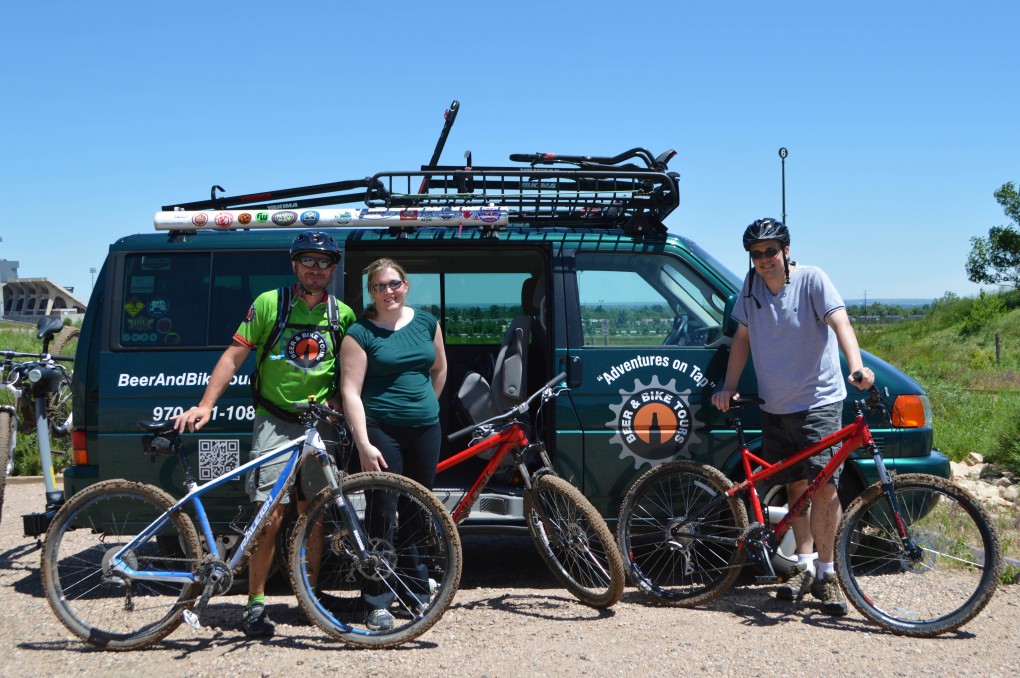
{"points": [[90, 599], [574, 541], [939, 584], [413, 570], [679, 534]]}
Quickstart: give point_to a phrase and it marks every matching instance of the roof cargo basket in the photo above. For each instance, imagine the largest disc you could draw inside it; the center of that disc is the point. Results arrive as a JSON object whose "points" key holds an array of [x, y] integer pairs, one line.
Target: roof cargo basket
{"points": [[632, 191]]}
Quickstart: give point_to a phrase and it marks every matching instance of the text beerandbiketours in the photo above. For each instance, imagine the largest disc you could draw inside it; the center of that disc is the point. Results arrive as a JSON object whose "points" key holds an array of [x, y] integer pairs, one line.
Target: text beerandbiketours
{"points": [[183, 379]]}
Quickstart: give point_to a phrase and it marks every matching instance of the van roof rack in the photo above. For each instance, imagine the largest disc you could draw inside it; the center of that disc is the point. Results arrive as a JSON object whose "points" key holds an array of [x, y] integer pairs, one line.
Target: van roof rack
{"points": [[636, 200], [632, 191]]}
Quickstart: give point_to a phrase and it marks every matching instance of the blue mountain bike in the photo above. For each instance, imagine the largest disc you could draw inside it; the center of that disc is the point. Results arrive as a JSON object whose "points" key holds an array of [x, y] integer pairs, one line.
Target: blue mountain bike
{"points": [[123, 564]]}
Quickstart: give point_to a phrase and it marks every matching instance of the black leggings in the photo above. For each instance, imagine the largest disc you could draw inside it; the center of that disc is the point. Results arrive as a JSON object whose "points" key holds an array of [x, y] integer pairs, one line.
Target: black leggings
{"points": [[409, 451], [414, 453]]}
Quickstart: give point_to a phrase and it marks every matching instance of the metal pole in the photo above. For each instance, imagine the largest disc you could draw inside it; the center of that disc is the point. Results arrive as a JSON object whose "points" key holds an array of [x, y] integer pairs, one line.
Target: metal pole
{"points": [[782, 155]]}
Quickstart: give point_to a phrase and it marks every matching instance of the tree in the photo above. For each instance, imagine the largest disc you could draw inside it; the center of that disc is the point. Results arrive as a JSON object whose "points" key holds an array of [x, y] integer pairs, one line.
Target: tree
{"points": [[996, 259]]}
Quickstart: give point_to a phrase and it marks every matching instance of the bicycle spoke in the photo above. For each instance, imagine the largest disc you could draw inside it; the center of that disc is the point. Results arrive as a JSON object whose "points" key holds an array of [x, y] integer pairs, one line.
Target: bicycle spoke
{"points": [[680, 548], [937, 585], [574, 541]]}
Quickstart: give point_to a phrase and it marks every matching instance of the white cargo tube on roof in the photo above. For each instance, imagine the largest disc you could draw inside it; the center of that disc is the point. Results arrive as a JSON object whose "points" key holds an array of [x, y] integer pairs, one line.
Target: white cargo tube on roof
{"points": [[381, 217]]}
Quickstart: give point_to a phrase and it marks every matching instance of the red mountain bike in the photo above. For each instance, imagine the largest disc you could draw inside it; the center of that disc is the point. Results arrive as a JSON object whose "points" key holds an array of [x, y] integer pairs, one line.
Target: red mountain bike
{"points": [[914, 553], [569, 533]]}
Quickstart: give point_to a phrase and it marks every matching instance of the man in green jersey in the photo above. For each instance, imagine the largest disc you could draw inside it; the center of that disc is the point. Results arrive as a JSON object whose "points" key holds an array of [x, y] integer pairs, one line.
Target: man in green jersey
{"points": [[297, 358]]}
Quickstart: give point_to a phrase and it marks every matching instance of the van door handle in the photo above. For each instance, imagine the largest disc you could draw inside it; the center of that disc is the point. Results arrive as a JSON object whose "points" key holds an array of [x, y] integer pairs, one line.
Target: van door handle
{"points": [[575, 371]]}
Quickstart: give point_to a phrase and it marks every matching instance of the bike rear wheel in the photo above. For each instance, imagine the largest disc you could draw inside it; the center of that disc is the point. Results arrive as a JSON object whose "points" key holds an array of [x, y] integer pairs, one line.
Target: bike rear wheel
{"points": [[97, 605], [574, 541], [940, 587], [415, 573], [7, 424], [672, 560]]}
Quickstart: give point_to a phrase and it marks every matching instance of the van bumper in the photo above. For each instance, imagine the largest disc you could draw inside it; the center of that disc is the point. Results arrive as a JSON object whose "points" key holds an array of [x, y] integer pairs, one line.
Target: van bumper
{"points": [[935, 464]]}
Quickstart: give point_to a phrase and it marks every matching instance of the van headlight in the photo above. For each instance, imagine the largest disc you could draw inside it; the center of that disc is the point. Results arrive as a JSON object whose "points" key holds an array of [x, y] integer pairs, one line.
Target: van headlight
{"points": [[911, 411]]}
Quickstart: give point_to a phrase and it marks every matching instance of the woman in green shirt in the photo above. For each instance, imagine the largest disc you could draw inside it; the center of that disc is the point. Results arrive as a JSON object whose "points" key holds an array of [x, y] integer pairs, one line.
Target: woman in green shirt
{"points": [[393, 368]]}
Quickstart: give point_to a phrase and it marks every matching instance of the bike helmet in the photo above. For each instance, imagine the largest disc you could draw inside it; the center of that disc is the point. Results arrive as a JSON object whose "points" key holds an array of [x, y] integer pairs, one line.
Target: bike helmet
{"points": [[766, 229], [315, 241]]}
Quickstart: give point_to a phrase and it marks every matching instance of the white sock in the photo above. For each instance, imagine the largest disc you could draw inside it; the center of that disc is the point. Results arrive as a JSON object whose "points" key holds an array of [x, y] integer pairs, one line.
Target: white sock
{"points": [[807, 559], [821, 568]]}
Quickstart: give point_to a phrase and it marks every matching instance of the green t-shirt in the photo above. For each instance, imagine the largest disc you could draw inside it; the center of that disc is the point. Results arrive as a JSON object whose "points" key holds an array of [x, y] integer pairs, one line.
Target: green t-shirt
{"points": [[302, 361], [398, 378]]}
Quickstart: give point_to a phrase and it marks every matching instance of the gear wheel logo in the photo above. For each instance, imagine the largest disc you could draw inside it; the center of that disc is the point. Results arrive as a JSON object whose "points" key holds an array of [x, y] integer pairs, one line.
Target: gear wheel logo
{"points": [[654, 423], [306, 349]]}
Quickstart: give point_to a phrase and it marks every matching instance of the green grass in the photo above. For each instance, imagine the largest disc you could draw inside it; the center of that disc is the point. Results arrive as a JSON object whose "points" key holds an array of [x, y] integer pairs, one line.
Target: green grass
{"points": [[951, 353]]}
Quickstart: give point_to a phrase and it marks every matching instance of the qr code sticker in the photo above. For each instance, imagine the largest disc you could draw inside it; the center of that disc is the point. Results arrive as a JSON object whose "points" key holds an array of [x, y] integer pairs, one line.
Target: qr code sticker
{"points": [[217, 457]]}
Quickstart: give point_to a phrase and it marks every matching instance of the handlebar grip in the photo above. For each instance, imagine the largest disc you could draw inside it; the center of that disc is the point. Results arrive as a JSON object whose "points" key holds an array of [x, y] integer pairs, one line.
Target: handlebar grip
{"points": [[532, 157], [461, 433]]}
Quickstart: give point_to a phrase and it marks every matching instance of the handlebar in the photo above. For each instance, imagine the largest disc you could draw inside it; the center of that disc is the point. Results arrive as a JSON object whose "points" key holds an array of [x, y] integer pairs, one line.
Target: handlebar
{"points": [[7, 355], [547, 391], [317, 410], [651, 162]]}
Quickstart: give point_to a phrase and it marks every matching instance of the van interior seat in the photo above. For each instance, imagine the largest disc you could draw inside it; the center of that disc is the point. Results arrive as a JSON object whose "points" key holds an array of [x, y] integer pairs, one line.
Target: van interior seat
{"points": [[479, 399]]}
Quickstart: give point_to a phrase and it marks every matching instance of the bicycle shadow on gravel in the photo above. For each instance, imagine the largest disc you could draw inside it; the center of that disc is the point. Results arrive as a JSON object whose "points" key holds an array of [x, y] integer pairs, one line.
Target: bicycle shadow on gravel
{"points": [[221, 632], [24, 558], [553, 608], [757, 606]]}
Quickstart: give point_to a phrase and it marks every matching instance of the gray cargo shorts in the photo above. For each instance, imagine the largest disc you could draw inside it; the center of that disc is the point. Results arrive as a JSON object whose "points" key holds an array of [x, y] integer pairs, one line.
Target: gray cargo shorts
{"points": [[785, 434], [269, 433]]}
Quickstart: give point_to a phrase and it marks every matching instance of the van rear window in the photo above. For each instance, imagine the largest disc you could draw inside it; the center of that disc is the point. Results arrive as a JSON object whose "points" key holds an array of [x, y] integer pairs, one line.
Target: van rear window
{"points": [[193, 299]]}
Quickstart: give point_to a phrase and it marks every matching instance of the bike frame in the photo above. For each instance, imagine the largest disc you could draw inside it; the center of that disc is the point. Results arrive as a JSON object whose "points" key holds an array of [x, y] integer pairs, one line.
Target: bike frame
{"points": [[506, 439], [853, 436], [297, 449]]}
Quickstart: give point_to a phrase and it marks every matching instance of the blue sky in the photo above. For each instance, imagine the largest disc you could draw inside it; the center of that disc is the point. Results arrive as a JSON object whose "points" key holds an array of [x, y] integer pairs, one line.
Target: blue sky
{"points": [[900, 117]]}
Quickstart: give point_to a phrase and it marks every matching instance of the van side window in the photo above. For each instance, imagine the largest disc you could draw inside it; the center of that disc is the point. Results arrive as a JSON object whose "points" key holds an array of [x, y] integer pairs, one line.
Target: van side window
{"points": [[167, 300], [480, 306], [645, 300]]}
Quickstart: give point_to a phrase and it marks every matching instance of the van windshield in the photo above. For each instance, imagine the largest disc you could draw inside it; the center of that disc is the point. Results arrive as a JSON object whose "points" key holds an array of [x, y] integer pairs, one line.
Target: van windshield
{"points": [[714, 264]]}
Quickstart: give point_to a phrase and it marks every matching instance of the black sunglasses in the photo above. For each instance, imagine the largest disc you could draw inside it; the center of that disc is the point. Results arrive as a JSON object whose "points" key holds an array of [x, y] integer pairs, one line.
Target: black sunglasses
{"points": [[392, 285], [764, 254], [312, 262]]}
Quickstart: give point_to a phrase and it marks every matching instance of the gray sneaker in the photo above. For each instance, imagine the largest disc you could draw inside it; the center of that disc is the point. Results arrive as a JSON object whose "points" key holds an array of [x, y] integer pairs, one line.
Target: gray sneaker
{"points": [[827, 590], [798, 583], [255, 622], [379, 620]]}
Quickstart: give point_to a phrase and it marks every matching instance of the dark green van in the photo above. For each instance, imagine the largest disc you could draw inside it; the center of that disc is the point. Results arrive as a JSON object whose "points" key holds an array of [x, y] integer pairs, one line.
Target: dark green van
{"points": [[634, 315]]}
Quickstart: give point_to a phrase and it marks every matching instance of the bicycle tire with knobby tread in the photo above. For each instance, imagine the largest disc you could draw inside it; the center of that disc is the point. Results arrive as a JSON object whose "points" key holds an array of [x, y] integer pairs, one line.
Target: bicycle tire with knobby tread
{"points": [[584, 557], [6, 424], [63, 338], [684, 571], [335, 603], [59, 413], [961, 554], [77, 557]]}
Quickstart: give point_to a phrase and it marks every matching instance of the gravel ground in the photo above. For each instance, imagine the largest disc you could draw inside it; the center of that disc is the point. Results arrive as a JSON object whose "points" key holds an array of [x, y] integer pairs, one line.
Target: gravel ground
{"points": [[510, 618]]}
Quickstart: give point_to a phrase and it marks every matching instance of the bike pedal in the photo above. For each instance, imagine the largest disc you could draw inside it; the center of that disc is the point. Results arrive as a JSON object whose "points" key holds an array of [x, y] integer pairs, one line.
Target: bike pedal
{"points": [[191, 619], [765, 579]]}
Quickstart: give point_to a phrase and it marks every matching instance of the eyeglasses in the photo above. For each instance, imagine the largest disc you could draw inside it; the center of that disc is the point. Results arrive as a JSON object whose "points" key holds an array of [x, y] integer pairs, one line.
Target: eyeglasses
{"points": [[391, 285], [764, 254], [312, 262]]}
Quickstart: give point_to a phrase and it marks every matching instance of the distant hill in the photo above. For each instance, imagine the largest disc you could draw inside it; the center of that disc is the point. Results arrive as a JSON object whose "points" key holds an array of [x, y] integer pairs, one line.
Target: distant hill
{"points": [[889, 302]]}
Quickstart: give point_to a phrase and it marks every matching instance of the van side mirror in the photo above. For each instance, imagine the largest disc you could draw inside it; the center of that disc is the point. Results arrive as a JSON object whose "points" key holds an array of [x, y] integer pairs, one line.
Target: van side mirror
{"points": [[729, 325]]}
